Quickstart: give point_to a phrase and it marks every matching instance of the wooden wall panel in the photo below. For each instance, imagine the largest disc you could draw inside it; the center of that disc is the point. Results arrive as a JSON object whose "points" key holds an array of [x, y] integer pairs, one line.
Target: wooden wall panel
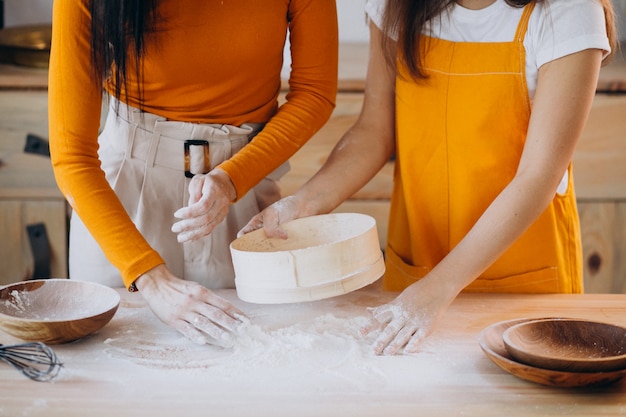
{"points": [[53, 214], [603, 228], [11, 243], [597, 222], [619, 277], [16, 259], [28, 190], [600, 156]]}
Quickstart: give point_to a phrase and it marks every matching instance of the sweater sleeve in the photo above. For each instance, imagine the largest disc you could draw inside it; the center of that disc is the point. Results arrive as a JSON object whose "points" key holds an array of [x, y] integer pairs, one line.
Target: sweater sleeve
{"points": [[309, 101], [74, 107]]}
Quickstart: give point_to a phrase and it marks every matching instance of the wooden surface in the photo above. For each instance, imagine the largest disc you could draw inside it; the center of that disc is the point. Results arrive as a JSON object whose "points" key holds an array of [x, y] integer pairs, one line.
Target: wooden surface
{"points": [[14, 77], [310, 158], [136, 366], [600, 156], [613, 76], [16, 257], [373, 198], [603, 228], [28, 190], [600, 177]]}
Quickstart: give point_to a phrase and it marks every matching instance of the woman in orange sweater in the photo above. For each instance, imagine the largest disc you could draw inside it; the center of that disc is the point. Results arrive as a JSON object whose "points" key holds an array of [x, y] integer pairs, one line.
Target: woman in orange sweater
{"points": [[194, 140], [482, 102]]}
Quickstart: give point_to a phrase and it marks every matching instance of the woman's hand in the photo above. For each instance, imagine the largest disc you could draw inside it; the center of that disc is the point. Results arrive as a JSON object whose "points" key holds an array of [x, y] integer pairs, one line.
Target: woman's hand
{"points": [[273, 217], [193, 310], [210, 196], [409, 318]]}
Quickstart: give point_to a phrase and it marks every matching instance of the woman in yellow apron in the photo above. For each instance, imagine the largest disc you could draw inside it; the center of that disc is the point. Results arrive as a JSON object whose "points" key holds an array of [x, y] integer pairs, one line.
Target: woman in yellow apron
{"points": [[483, 122]]}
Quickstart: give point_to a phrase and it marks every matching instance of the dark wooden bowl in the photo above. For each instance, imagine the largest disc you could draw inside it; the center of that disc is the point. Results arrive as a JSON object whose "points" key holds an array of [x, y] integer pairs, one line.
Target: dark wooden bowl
{"points": [[491, 343], [568, 345], [55, 310]]}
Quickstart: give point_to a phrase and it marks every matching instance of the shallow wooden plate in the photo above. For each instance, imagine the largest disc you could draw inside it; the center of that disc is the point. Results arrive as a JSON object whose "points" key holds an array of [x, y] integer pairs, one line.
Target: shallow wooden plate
{"points": [[572, 345], [492, 344]]}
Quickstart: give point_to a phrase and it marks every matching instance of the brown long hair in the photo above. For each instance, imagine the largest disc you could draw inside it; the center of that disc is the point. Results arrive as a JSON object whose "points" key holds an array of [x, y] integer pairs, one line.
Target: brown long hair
{"points": [[407, 19]]}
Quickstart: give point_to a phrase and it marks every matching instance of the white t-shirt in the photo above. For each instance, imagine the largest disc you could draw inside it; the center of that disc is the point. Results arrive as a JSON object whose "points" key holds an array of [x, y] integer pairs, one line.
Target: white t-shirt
{"points": [[556, 28]]}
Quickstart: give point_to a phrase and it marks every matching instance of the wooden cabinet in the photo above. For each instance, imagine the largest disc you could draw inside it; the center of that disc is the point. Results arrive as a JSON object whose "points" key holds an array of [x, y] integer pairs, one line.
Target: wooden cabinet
{"points": [[600, 175], [28, 191]]}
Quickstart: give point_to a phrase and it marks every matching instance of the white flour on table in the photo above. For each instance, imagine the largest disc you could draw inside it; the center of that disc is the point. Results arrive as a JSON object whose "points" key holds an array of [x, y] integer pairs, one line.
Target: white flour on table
{"points": [[279, 343]]}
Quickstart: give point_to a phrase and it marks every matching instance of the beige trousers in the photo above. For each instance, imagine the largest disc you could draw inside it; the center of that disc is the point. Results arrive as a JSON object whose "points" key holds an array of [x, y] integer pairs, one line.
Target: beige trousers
{"points": [[143, 157]]}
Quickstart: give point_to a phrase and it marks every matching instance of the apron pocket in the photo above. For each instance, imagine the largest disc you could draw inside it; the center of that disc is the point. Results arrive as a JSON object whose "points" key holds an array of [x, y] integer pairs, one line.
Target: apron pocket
{"points": [[400, 274]]}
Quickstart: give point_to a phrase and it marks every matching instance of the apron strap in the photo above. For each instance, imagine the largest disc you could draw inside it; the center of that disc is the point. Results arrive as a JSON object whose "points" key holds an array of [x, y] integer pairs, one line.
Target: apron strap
{"points": [[523, 23]]}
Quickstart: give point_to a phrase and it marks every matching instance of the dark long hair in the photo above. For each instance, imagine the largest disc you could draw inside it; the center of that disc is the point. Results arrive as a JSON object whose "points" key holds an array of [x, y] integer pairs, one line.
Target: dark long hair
{"points": [[407, 19], [118, 35]]}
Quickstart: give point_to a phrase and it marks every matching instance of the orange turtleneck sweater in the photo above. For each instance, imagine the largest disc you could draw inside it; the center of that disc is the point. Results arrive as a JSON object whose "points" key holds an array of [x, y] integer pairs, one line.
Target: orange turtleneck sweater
{"points": [[210, 61]]}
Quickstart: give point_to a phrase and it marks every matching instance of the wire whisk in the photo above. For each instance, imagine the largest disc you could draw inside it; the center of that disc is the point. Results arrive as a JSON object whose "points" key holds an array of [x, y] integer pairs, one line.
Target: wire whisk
{"points": [[35, 360]]}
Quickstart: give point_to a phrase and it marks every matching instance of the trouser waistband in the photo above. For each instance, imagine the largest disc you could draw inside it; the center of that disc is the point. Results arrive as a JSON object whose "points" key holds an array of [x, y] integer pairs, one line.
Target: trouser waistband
{"points": [[158, 141]]}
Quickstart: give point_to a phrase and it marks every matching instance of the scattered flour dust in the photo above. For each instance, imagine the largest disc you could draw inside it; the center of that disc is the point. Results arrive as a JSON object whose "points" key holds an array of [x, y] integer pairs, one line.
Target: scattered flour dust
{"points": [[37, 304], [297, 347], [323, 344], [17, 302]]}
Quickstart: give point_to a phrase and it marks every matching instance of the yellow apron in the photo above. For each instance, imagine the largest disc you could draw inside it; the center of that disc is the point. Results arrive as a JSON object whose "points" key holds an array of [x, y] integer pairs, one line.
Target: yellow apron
{"points": [[460, 136]]}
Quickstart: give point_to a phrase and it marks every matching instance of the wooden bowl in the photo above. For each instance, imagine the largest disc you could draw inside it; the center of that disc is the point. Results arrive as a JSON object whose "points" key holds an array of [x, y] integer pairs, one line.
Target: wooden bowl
{"points": [[492, 344], [568, 345], [55, 310], [323, 256]]}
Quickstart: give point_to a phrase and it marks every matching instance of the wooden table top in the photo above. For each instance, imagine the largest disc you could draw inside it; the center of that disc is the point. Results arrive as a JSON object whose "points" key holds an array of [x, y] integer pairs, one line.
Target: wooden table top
{"points": [[307, 360]]}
